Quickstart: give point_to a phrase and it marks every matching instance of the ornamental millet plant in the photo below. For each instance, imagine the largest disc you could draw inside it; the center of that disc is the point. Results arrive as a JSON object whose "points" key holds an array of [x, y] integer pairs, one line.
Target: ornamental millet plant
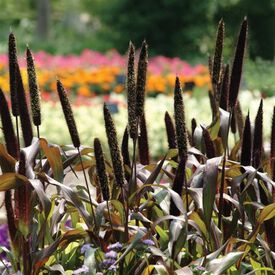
{"points": [[202, 206]]}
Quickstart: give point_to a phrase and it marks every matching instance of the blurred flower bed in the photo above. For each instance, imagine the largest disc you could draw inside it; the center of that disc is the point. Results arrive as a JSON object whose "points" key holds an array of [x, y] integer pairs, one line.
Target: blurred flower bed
{"points": [[93, 73]]}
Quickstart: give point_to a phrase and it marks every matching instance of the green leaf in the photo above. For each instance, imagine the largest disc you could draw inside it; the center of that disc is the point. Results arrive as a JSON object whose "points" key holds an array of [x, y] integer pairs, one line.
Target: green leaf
{"points": [[11, 180], [267, 213], [218, 266], [178, 235], [45, 201], [209, 188], [54, 157]]}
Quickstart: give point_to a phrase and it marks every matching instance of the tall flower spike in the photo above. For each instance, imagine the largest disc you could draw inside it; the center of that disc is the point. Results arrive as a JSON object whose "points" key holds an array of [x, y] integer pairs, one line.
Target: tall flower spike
{"points": [[7, 126], [131, 92], [217, 62], [246, 143], [24, 114], [101, 170], [225, 89], [178, 184], [170, 131], [209, 145], [258, 138], [141, 78], [114, 148], [237, 66], [180, 120], [12, 71], [125, 148], [239, 118], [143, 145], [68, 113], [34, 89]]}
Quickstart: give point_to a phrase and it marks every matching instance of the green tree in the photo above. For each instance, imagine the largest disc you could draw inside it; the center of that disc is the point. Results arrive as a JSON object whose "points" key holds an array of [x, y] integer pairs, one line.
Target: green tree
{"points": [[171, 27]]}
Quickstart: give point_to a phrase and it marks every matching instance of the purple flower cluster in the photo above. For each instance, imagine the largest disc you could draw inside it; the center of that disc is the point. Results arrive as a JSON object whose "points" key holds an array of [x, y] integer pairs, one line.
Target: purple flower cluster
{"points": [[148, 242], [84, 269], [4, 237], [111, 256]]}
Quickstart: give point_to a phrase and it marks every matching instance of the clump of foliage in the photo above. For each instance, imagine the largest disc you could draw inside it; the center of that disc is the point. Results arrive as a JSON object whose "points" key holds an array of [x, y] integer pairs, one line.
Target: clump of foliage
{"points": [[204, 208]]}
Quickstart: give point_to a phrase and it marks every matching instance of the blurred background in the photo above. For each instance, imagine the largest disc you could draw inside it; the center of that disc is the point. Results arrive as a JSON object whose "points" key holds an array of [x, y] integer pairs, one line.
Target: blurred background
{"points": [[171, 27]]}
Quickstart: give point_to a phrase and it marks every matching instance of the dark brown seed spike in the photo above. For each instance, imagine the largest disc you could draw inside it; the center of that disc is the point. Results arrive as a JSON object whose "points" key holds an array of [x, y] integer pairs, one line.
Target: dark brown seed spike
{"points": [[141, 79], [225, 89], [125, 148], [12, 71], [114, 148], [217, 62], [239, 118], [170, 131], [7, 127], [178, 184], [68, 113], [143, 144], [180, 120], [237, 66], [24, 114], [131, 92], [233, 122], [209, 145], [258, 138], [101, 170], [34, 89], [246, 143]]}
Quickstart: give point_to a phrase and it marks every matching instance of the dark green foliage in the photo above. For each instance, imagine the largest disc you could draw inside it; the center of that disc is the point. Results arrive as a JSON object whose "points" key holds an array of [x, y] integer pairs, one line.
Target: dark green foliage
{"points": [[141, 79], [68, 113], [170, 131], [125, 148], [258, 138], [114, 148], [181, 133], [131, 92], [34, 89], [209, 145], [217, 61], [213, 103], [13, 63], [143, 145], [224, 93], [101, 170], [246, 143], [25, 120], [237, 66], [160, 22]]}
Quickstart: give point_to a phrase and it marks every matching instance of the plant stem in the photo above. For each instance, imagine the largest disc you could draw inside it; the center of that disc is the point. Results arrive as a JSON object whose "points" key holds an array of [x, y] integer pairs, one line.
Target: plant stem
{"points": [[221, 203], [87, 186], [40, 156]]}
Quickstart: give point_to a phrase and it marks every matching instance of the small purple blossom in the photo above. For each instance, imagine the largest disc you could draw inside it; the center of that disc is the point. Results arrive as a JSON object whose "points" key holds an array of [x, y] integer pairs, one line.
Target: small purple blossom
{"points": [[111, 254], [115, 246], [201, 268], [112, 268], [68, 224], [148, 242], [84, 269], [84, 248], [108, 262]]}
